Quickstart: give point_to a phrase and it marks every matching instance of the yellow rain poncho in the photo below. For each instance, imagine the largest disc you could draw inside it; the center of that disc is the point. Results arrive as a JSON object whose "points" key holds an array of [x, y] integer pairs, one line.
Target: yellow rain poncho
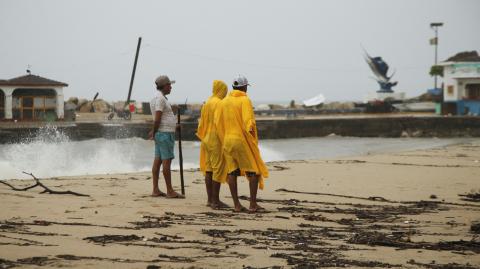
{"points": [[237, 130], [211, 155]]}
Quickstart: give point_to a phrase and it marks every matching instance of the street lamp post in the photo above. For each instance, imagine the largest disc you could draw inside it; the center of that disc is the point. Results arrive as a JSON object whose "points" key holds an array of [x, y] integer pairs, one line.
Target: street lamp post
{"points": [[434, 41]]}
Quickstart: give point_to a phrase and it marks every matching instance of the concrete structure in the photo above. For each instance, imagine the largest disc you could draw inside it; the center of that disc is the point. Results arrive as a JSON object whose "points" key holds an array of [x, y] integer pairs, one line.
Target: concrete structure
{"points": [[461, 85], [382, 96], [31, 97], [433, 126]]}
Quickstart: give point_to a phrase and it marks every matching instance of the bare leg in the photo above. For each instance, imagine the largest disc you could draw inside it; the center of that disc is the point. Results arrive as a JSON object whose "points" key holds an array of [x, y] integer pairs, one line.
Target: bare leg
{"points": [[232, 183], [216, 203], [253, 183], [208, 185], [155, 174], [168, 179]]}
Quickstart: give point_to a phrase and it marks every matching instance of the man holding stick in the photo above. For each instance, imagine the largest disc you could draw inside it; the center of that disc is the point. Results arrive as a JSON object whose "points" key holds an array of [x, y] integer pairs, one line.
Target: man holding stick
{"points": [[163, 132]]}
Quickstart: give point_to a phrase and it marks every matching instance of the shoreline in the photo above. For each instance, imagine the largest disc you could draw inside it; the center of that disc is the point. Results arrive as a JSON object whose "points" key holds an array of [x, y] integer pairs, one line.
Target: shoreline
{"points": [[398, 209], [100, 156]]}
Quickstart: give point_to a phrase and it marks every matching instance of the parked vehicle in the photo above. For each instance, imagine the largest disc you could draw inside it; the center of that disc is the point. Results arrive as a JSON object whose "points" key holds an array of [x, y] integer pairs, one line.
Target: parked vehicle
{"points": [[122, 114]]}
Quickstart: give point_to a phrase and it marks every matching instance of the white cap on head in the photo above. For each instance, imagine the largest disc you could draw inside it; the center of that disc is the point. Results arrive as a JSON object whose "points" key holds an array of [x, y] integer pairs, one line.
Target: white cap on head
{"points": [[163, 80], [240, 81]]}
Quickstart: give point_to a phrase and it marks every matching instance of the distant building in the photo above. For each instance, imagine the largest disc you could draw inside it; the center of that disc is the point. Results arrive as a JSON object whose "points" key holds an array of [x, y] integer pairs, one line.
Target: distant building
{"points": [[461, 84], [31, 97]]}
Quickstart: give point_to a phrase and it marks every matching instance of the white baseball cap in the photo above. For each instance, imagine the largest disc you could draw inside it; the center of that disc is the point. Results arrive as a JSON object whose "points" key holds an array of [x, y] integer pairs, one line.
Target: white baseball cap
{"points": [[240, 81], [163, 80]]}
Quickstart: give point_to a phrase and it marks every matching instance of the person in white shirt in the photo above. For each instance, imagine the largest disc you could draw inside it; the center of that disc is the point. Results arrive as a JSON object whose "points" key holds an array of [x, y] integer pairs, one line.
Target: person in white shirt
{"points": [[163, 132]]}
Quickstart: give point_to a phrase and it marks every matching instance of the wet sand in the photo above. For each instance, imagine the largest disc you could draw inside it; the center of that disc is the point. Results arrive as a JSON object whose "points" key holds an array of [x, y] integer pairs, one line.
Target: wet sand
{"points": [[388, 210]]}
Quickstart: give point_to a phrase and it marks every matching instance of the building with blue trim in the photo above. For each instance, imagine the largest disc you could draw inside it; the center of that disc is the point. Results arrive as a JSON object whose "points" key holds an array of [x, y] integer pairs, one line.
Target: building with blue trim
{"points": [[461, 84]]}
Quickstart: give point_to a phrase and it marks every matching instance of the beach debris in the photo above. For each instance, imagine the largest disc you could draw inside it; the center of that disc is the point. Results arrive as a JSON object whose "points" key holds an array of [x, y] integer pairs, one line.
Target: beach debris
{"points": [[402, 241], [313, 217], [305, 248], [175, 258], [371, 198], [324, 258], [434, 265], [472, 196], [475, 228], [47, 223], [151, 222], [42, 260], [40, 184], [104, 239], [5, 264], [280, 168], [433, 196]]}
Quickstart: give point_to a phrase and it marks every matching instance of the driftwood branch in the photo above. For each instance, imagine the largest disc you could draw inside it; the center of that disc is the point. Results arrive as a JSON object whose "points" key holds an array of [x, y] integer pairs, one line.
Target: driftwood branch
{"points": [[18, 189], [40, 184]]}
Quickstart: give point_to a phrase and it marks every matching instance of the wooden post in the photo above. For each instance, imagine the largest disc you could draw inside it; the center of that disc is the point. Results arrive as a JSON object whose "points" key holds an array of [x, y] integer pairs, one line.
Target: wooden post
{"points": [[133, 72], [180, 155]]}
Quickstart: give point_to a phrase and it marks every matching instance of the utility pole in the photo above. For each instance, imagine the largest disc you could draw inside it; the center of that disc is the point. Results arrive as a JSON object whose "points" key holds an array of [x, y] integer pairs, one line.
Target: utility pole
{"points": [[133, 72], [434, 41]]}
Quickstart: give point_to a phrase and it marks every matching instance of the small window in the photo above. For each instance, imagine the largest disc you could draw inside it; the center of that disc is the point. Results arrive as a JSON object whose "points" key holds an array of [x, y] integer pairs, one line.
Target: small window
{"points": [[473, 91], [450, 89], [27, 102], [39, 102], [50, 102]]}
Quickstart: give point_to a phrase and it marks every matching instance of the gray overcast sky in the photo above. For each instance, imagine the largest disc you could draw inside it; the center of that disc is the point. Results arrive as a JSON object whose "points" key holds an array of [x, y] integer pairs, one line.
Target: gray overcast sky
{"points": [[287, 49]]}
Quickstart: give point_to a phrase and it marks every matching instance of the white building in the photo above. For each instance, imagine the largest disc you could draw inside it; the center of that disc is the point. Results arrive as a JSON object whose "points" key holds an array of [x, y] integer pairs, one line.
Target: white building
{"points": [[31, 97], [461, 85]]}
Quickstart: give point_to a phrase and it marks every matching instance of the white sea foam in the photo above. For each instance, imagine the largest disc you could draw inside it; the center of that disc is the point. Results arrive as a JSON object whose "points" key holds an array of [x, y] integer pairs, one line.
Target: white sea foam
{"points": [[52, 154]]}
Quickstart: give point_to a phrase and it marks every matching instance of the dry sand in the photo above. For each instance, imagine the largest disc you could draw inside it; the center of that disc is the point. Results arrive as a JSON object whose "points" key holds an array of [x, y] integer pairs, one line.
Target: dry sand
{"points": [[368, 211]]}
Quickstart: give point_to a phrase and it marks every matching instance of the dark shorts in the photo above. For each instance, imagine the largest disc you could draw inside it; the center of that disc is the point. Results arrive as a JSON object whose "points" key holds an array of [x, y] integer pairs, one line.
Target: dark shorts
{"points": [[237, 173]]}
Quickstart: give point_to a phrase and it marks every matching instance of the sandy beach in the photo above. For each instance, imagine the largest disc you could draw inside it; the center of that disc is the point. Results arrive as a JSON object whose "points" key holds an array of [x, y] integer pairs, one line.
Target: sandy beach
{"points": [[401, 210]]}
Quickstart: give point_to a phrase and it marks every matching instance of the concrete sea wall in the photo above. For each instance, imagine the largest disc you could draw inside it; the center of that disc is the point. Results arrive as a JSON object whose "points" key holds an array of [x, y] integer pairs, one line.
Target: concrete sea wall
{"points": [[271, 129]]}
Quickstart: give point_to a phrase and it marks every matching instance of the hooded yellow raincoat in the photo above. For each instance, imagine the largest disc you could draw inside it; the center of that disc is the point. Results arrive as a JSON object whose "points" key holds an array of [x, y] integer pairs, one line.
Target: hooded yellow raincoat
{"points": [[235, 123], [211, 155]]}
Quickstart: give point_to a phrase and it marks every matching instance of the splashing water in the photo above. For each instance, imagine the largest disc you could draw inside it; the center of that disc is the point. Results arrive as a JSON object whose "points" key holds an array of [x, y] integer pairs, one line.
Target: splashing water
{"points": [[51, 153]]}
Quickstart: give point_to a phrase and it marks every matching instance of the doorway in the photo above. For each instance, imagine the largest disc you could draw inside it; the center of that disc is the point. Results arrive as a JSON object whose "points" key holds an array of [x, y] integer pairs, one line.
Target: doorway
{"points": [[2, 105], [473, 91]]}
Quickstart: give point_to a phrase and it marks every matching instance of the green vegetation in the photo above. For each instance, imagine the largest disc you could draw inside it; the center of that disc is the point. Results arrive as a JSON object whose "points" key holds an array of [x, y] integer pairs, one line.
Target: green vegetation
{"points": [[436, 70]]}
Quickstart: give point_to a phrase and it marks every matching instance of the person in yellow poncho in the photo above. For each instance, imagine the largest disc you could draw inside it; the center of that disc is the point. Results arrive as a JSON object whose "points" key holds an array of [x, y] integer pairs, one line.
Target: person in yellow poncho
{"points": [[212, 162], [235, 123]]}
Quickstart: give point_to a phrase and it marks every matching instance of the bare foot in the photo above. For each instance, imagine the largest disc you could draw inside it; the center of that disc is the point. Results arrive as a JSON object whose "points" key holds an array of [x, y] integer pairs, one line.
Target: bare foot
{"points": [[158, 194], [209, 204], [220, 205], [239, 209], [256, 208], [175, 195]]}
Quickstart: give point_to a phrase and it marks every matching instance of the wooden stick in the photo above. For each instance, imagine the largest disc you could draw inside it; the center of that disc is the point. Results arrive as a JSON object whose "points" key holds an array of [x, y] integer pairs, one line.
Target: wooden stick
{"points": [[180, 152], [45, 188]]}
